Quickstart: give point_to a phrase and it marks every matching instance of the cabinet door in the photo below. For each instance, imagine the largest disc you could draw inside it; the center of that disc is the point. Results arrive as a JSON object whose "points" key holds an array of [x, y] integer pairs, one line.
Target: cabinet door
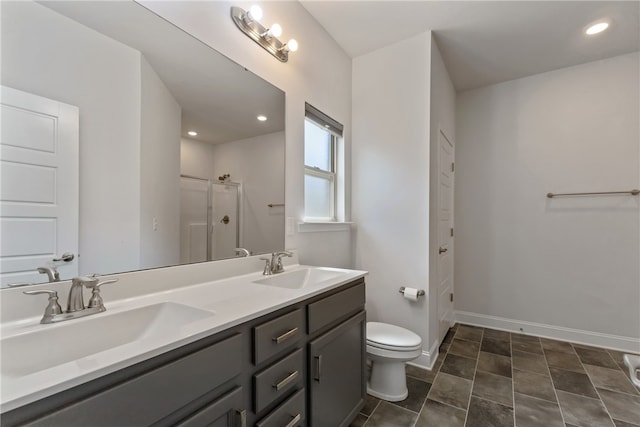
{"points": [[154, 395], [226, 411], [337, 375]]}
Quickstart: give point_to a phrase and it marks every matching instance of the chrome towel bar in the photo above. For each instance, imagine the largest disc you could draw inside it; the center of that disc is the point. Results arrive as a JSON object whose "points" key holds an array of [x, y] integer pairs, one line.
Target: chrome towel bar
{"points": [[633, 192]]}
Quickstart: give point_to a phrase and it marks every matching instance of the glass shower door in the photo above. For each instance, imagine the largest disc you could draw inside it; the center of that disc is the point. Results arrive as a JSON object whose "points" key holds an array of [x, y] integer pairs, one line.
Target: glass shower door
{"points": [[225, 219], [194, 220]]}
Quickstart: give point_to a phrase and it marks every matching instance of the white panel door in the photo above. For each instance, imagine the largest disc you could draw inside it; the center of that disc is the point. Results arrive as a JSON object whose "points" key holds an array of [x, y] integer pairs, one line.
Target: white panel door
{"points": [[38, 186], [445, 234]]}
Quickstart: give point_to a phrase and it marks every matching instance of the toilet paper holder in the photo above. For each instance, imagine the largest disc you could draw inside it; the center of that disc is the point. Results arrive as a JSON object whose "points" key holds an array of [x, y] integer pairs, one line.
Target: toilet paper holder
{"points": [[420, 291]]}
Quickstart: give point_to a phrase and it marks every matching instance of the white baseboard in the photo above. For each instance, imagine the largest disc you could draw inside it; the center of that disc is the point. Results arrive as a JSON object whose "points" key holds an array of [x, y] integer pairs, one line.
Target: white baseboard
{"points": [[596, 339], [427, 359]]}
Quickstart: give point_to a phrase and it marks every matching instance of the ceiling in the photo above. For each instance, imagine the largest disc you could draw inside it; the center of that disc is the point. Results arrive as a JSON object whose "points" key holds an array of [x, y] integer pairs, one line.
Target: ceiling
{"points": [[486, 42], [219, 98]]}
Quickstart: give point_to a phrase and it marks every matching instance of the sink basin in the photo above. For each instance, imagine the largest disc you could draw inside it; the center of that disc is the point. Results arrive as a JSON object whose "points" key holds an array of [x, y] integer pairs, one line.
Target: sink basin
{"points": [[297, 279], [54, 345]]}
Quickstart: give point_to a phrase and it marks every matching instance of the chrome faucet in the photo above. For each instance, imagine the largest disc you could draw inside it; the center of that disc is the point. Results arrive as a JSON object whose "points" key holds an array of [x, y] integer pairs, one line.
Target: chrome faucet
{"points": [[51, 272], [274, 265], [75, 302], [242, 252], [276, 261]]}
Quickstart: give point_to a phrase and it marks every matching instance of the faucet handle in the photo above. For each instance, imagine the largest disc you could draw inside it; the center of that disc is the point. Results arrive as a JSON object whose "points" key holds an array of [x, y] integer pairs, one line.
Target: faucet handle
{"points": [[91, 285], [53, 308], [96, 298], [267, 267]]}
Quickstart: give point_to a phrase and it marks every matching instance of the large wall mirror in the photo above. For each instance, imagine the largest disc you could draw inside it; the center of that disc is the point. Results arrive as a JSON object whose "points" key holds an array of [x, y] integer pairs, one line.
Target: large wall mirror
{"points": [[99, 171]]}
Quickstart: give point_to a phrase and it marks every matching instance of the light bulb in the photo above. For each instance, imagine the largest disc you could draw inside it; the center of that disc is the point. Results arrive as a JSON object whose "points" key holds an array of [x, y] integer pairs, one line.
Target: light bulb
{"points": [[262, 118], [597, 28], [192, 133], [292, 45], [275, 30], [255, 12]]}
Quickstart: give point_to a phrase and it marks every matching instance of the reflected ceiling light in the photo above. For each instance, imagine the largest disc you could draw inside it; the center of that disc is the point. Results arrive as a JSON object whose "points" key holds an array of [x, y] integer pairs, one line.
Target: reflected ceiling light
{"points": [[262, 118], [248, 23], [596, 28], [192, 133]]}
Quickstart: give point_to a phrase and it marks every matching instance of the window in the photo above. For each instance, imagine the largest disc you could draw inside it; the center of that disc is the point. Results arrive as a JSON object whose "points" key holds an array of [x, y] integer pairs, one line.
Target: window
{"points": [[321, 137]]}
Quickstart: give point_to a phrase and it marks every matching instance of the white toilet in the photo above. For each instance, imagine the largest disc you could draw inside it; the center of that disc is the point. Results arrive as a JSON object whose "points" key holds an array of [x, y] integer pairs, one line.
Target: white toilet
{"points": [[388, 348]]}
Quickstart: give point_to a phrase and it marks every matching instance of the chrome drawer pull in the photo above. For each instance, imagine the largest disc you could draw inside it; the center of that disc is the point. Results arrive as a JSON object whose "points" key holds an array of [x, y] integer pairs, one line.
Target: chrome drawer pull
{"points": [[318, 367], [285, 336], [294, 421], [291, 377], [242, 417]]}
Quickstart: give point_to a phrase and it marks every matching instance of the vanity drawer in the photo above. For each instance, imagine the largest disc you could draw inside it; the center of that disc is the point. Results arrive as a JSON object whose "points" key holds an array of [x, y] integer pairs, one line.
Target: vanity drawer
{"points": [[277, 379], [223, 410], [291, 413], [336, 306], [148, 398], [277, 335]]}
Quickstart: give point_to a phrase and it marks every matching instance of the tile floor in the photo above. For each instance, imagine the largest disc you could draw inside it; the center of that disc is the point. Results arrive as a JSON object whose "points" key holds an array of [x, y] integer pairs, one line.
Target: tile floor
{"points": [[484, 377]]}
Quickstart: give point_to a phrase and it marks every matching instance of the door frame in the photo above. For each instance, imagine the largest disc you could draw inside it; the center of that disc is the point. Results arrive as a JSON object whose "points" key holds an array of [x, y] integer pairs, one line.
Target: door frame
{"points": [[451, 248]]}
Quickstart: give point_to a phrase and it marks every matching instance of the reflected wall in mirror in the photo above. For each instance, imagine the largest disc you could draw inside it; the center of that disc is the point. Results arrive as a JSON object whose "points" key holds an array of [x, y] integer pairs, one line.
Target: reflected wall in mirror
{"points": [[97, 160]]}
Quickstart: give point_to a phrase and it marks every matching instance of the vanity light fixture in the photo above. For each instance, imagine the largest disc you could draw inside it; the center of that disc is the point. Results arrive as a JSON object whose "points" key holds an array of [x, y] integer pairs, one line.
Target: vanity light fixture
{"points": [[596, 27], [192, 133], [262, 118], [248, 23]]}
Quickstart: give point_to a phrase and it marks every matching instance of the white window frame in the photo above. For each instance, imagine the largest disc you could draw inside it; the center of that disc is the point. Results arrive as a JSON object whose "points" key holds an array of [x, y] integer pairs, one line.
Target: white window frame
{"points": [[329, 175], [317, 118]]}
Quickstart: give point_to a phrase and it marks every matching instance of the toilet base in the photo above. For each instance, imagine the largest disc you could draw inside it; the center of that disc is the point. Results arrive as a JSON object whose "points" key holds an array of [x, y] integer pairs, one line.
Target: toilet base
{"points": [[386, 397], [388, 381]]}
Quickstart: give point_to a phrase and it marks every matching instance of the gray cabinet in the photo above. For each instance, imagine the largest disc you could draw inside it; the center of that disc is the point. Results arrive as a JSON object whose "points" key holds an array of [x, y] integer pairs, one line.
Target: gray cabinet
{"points": [[337, 387], [158, 395], [302, 365], [222, 412], [290, 414]]}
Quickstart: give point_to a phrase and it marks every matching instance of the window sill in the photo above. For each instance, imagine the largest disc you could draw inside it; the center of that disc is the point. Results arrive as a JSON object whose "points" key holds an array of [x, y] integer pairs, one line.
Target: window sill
{"points": [[323, 226]]}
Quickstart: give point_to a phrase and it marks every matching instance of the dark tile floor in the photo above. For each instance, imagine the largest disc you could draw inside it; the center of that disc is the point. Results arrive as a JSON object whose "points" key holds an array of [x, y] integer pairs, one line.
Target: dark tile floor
{"points": [[484, 377]]}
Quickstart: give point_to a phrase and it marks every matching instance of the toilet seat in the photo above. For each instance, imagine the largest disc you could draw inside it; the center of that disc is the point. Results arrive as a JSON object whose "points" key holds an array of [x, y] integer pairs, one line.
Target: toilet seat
{"points": [[391, 337]]}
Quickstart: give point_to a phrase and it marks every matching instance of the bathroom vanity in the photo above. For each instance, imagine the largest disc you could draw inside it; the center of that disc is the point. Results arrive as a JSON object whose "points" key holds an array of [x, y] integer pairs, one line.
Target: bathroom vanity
{"points": [[299, 362]]}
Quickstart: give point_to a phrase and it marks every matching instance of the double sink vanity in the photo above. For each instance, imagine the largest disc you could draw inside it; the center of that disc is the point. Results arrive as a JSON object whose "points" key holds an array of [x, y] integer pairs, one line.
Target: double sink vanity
{"points": [[217, 344]]}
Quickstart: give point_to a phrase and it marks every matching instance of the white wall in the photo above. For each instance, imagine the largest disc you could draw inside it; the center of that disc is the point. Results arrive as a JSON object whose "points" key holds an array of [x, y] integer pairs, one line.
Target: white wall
{"points": [[391, 92], [52, 56], [258, 164], [160, 126], [196, 158], [318, 73], [443, 111], [522, 259]]}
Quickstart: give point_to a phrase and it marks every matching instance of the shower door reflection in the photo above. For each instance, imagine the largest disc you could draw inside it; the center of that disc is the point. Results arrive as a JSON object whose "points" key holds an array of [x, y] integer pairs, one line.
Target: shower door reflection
{"points": [[225, 224], [209, 219]]}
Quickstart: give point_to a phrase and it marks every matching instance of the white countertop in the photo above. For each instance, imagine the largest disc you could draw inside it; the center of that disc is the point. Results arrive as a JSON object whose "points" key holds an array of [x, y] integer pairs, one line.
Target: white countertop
{"points": [[231, 300]]}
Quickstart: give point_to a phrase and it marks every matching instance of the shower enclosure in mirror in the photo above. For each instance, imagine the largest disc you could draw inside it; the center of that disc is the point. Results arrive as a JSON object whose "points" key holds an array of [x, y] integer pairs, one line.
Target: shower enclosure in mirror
{"points": [[210, 219], [100, 190]]}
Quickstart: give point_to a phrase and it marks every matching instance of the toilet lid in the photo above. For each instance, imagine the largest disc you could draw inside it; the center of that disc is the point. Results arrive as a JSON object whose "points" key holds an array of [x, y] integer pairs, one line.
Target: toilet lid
{"points": [[385, 335]]}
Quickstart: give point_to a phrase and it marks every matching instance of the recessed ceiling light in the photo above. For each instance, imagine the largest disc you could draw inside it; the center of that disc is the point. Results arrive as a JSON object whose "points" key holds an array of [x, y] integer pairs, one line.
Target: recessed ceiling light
{"points": [[192, 133], [596, 28], [262, 118]]}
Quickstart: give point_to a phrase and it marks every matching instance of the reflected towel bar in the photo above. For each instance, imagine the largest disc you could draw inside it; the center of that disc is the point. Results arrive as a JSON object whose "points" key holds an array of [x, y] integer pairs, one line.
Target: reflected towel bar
{"points": [[633, 192], [271, 205]]}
